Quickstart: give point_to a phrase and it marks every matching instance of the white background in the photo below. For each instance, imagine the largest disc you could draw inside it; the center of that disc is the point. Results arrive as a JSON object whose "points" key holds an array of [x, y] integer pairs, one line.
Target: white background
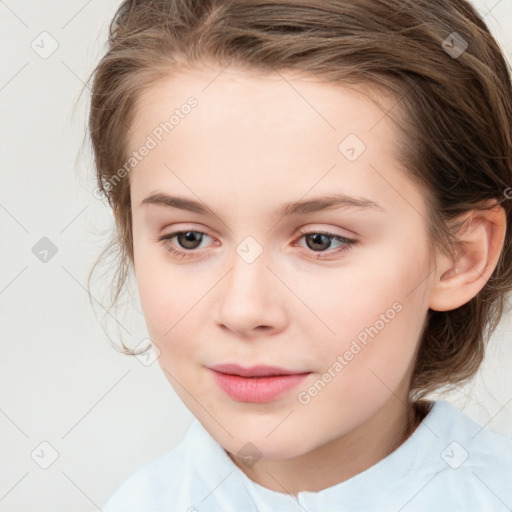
{"points": [[61, 382]]}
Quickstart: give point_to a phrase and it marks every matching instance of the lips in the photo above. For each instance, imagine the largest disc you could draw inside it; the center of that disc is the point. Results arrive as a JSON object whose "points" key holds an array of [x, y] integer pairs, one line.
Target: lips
{"points": [[254, 371], [257, 384]]}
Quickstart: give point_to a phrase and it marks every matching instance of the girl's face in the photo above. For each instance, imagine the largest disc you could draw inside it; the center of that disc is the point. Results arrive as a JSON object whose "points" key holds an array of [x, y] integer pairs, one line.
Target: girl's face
{"points": [[262, 169]]}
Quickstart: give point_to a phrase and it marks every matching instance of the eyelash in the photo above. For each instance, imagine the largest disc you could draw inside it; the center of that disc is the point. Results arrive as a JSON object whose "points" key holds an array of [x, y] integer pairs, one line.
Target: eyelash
{"points": [[185, 254]]}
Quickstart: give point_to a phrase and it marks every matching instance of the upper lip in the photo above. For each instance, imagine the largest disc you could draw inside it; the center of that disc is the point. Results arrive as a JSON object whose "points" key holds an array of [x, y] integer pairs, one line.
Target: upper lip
{"points": [[253, 371]]}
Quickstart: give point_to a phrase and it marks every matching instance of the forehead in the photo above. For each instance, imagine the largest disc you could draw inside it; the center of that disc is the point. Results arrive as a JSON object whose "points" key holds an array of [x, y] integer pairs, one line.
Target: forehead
{"points": [[238, 98], [249, 132]]}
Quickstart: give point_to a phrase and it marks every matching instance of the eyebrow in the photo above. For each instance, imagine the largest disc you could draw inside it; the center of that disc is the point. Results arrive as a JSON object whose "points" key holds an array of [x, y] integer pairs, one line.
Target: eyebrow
{"points": [[300, 207]]}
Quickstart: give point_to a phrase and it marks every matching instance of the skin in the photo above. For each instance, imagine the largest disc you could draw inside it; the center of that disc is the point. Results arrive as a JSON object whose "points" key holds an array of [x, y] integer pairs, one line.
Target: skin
{"points": [[251, 145]]}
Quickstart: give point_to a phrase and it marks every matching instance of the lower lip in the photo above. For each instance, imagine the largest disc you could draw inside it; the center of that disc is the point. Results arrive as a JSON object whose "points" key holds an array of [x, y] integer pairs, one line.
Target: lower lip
{"points": [[257, 389]]}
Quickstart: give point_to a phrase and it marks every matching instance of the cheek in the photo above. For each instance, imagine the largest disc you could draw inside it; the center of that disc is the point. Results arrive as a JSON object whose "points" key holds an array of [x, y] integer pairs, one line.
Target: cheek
{"points": [[170, 299], [346, 300], [159, 293], [156, 285], [376, 312]]}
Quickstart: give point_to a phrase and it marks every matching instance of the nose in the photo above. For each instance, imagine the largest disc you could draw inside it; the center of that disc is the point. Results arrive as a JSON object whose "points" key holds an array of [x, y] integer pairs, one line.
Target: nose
{"points": [[252, 300]]}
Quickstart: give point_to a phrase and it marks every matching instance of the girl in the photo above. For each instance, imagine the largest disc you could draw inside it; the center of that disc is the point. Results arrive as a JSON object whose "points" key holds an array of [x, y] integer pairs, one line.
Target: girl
{"points": [[315, 200]]}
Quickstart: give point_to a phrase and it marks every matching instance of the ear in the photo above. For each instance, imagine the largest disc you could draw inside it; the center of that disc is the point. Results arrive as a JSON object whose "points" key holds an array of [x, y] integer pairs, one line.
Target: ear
{"points": [[459, 279]]}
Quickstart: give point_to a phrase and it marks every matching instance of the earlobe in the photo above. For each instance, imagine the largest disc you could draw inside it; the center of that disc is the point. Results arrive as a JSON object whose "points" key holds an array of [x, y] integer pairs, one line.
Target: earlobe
{"points": [[459, 279]]}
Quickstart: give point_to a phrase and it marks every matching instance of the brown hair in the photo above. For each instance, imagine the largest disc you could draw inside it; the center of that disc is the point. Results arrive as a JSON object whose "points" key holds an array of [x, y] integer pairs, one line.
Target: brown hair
{"points": [[456, 123]]}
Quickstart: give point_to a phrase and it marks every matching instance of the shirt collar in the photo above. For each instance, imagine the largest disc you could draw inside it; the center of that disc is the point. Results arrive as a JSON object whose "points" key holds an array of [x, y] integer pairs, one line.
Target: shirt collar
{"points": [[216, 469]]}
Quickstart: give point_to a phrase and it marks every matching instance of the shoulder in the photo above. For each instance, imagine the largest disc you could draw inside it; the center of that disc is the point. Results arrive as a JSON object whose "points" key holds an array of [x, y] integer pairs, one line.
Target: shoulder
{"points": [[158, 483], [478, 441], [184, 480], [474, 463]]}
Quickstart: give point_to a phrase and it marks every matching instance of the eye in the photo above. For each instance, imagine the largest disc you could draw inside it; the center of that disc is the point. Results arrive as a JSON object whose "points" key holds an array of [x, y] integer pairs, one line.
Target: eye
{"points": [[189, 240], [319, 241]]}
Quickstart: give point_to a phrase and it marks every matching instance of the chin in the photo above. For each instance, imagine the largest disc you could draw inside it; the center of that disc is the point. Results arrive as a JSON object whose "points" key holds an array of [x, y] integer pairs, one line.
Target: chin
{"points": [[267, 450], [254, 441]]}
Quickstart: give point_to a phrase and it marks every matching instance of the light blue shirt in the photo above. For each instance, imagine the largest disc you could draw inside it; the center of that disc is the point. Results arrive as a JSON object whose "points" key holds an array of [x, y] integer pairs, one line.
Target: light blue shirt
{"points": [[448, 464]]}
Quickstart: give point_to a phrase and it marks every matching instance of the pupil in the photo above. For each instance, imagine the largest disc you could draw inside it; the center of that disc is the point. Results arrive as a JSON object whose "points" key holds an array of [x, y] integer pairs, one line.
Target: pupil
{"points": [[317, 237], [189, 239]]}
